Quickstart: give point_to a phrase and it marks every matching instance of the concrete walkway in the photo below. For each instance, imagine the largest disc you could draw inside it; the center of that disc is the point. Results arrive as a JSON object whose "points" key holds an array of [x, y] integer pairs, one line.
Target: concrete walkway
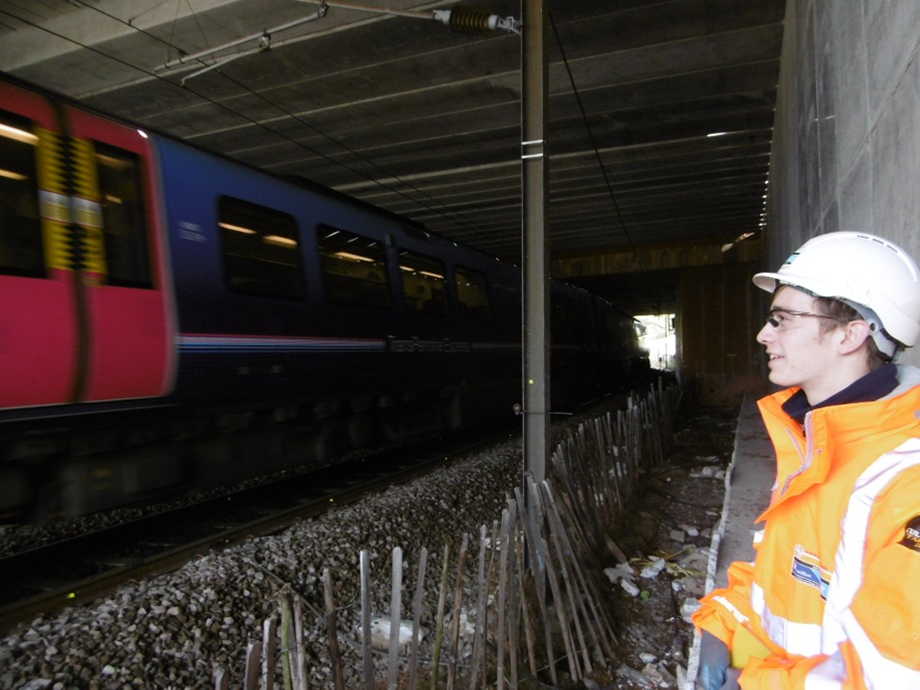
{"points": [[748, 482]]}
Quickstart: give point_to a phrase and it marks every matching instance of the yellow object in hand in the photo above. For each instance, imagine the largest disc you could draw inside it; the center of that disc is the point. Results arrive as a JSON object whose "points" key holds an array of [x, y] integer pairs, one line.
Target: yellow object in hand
{"points": [[744, 646]]}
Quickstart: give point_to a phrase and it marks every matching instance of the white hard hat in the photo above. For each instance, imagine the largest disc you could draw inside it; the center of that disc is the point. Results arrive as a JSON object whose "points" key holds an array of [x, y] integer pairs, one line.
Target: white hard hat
{"points": [[875, 277]]}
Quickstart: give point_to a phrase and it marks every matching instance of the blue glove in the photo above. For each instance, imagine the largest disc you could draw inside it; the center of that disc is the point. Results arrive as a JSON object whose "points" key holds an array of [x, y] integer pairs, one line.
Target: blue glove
{"points": [[715, 660], [731, 679]]}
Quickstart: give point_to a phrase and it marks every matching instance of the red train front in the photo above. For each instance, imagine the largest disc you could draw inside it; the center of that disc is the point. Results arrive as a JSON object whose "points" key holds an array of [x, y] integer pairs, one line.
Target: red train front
{"points": [[81, 307]]}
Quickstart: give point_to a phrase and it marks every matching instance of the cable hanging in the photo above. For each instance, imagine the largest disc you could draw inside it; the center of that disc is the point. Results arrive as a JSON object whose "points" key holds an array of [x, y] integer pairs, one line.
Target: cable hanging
{"points": [[597, 153]]}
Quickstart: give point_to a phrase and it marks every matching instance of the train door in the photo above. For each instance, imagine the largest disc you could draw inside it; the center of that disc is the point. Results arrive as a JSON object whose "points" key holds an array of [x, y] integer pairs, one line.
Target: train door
{"points": [[127, 328], [83, 314], [38, 326]]}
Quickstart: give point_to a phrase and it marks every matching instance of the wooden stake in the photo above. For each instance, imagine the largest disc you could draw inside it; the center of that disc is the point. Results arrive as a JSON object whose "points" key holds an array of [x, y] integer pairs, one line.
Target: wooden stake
{"points": [[269, 644], [502, 599], [538, 569], [417, 617], [476, 662], [525, 610], [366, 651], [287, 641], [453, 660], [299, 656], [439, 632], [332, 633], [395, 617], [253, 666], [222, 679]]}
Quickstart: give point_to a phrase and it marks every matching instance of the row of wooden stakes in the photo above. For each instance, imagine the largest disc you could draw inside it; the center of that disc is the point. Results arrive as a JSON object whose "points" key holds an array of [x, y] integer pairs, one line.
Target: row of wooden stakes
{"points": [[530, 595]]}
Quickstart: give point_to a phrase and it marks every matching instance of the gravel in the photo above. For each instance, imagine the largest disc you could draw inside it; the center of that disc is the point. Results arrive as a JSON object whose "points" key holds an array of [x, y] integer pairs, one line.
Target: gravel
{"points": [[175, 630]]}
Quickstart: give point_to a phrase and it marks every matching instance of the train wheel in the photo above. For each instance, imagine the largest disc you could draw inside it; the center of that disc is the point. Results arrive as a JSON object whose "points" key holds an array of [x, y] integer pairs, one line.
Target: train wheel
{"points": [[392, 425], [360, 429], [451, 413]]}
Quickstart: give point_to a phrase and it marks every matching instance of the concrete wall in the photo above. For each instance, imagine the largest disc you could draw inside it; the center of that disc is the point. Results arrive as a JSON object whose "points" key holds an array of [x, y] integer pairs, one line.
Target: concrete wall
{"points": [[717, 321], [846, 146]]}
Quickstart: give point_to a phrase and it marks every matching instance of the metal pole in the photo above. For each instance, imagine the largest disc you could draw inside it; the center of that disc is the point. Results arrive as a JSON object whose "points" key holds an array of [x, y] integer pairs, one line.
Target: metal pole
{"points": [[534, 182]]}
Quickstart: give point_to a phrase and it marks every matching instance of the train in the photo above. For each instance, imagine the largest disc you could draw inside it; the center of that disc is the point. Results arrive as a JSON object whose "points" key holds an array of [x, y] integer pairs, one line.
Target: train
{"points": [[171, 318]]}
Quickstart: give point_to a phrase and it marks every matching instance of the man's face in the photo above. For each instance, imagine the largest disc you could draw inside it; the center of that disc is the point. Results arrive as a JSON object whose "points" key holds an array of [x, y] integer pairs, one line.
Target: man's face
{"points": [[798, 352]]}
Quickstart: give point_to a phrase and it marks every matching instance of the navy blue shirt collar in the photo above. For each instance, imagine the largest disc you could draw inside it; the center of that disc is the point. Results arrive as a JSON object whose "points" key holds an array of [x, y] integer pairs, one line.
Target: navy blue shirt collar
{"points": [[876, 384]]}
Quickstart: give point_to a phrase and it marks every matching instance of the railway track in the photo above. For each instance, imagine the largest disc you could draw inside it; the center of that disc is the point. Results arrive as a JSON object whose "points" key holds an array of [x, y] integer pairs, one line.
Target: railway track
{"points": [[77, 570]]}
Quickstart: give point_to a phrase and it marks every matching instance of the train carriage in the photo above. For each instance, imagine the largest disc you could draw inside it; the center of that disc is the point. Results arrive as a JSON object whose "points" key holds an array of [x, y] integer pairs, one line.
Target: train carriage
{"points": [[288, 294], [173, 318]]}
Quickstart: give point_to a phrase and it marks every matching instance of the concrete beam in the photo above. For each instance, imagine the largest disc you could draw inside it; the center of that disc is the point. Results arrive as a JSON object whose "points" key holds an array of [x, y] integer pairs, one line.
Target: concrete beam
{"points": [[677, 256]]}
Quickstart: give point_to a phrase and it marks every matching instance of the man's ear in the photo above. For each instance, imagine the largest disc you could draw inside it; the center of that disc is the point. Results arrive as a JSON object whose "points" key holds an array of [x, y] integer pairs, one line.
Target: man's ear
{"points": [[852, 335]]}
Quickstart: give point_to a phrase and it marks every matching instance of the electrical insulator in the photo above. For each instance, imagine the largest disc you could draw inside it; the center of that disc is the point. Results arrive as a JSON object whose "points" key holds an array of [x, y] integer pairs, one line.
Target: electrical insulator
{"points": [[472, 20], [475, 20]]}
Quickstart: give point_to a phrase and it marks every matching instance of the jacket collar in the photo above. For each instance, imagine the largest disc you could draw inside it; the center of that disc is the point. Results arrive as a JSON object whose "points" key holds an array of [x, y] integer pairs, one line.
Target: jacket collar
{"points": [[804, 460], [875, 385]]}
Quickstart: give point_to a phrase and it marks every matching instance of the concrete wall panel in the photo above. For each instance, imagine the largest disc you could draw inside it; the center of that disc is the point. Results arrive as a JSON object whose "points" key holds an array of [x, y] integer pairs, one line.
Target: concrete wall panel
{"points": [[895, 148], [846, 145], [842, 27], [717, 324]]}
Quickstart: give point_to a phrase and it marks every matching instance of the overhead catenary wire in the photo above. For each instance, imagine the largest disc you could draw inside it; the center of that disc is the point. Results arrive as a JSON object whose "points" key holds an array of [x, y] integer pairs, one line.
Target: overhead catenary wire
{"points": [[436, 207], [460, 19], [594, 146], [361, 157], [260, 36]]}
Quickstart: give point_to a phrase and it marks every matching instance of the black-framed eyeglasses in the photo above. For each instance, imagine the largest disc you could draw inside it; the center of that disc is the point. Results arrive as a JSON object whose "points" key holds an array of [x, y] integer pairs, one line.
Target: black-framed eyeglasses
{"points": [[782, 318]]}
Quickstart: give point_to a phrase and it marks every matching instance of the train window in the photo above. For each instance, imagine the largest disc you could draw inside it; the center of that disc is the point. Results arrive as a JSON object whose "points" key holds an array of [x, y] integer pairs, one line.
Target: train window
{"points": [[21, 246], [260, 248], [571, 320], [424, 285], [354, 268], [124, 217], [472, 293]]}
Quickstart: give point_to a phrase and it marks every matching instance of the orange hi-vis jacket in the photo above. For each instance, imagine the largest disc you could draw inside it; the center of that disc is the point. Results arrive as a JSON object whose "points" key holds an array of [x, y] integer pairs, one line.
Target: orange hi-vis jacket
{"points": [[833, 594]]}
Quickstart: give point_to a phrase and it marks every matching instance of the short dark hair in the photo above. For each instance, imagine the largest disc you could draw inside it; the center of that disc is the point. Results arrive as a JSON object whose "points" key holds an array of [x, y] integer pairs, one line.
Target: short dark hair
{"points": [[844, 313]]}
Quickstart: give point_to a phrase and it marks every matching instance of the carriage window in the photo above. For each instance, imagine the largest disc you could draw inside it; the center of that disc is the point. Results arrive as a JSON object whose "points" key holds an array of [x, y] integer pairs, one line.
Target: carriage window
{"points": [[472, 293], [354, 268], [571, 320], [261, 250], [424, 286], [21, 246], [124, 217]]}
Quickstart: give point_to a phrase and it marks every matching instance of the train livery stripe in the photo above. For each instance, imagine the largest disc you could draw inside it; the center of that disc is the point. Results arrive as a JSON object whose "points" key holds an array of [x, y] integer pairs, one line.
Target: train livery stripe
{"points": [[200, 343], [270, 344], [495, 347]]}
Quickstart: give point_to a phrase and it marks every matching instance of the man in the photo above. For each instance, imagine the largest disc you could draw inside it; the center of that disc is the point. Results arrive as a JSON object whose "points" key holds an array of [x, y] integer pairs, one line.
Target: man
{"points": [[832, 599]]}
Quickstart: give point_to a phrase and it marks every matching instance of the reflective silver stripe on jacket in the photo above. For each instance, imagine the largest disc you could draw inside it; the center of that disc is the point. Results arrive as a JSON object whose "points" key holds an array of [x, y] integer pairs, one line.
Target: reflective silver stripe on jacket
{"points": [[839, 623]]}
